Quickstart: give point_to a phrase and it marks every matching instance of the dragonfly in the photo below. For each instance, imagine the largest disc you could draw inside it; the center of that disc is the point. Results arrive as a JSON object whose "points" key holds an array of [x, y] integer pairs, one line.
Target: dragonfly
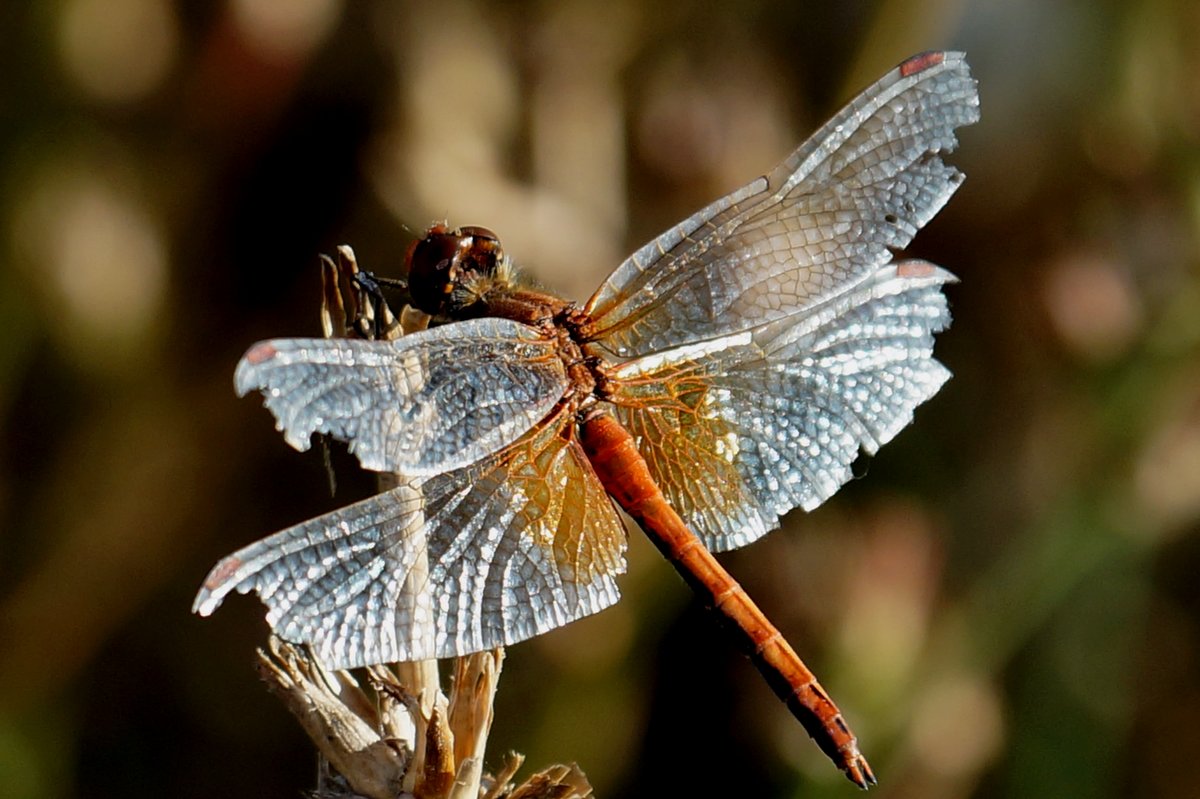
{"points": [[729, 371]]}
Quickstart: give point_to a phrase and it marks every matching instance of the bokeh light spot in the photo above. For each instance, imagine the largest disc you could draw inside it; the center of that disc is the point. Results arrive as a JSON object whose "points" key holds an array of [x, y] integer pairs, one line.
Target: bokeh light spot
{"points": [[117, 50], [286, 28], [96, 254], [958, 726], [1092, 306]]}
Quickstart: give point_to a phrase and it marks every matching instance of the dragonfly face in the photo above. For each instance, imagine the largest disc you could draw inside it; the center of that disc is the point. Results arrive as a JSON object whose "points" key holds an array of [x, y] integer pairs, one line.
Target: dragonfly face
{"points": [[727, 372], [449, 271]]}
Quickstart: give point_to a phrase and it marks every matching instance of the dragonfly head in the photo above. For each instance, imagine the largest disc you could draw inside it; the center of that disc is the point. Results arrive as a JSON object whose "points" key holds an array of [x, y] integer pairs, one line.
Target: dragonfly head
{"points": [[451, 270]]}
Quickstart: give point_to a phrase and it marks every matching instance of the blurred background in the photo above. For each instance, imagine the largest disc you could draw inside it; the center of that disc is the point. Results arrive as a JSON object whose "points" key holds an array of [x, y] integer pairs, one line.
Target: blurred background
{"points": [[1007, 604]]}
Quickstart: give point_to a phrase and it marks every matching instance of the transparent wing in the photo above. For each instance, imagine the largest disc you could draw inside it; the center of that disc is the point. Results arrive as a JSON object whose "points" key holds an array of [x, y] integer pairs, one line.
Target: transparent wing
{"points": [[739, 430], [435, 400], [830, 214], [486, 555]]}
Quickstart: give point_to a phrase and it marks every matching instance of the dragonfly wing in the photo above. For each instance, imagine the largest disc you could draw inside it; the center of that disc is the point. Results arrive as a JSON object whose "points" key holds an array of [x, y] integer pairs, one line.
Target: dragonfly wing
{"points": [[435, 400], [830, 214], [739, 430], [487, 555]]}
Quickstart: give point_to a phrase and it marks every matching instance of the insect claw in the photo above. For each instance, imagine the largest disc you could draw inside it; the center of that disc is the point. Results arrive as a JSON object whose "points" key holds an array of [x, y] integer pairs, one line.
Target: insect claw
{"points": [[855, 766], [859, 772]]}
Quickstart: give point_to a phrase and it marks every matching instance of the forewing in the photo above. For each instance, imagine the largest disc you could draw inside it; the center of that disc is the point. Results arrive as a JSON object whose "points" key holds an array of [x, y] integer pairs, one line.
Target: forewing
{"points": [[427, 402], [828, 216], [739, 430], [483, 556]]}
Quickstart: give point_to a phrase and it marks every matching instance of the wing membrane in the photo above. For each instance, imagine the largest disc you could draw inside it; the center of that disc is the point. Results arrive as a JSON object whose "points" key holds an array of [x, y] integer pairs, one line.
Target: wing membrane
{"points": [[486, 555], [435, 400], [829, 215], [739, 430]]}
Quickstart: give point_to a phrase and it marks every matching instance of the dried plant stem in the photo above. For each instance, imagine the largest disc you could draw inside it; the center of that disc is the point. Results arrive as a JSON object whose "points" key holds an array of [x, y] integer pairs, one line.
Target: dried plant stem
{"points": [[401, 736]]}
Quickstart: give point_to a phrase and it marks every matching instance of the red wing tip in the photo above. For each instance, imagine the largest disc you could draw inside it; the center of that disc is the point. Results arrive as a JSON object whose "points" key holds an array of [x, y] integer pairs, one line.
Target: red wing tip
{"points": [[222, 572], [260, 353], [922, 62], [915, 269]]}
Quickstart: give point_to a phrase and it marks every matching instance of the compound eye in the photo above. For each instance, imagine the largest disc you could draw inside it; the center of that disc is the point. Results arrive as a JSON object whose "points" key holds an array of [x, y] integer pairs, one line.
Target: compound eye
{"points": [[431, 270], [476, 232]]}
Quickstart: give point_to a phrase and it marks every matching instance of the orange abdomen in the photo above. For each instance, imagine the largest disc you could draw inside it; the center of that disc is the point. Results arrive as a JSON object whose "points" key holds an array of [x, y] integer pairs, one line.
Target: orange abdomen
{"points": [[614, 455]]}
